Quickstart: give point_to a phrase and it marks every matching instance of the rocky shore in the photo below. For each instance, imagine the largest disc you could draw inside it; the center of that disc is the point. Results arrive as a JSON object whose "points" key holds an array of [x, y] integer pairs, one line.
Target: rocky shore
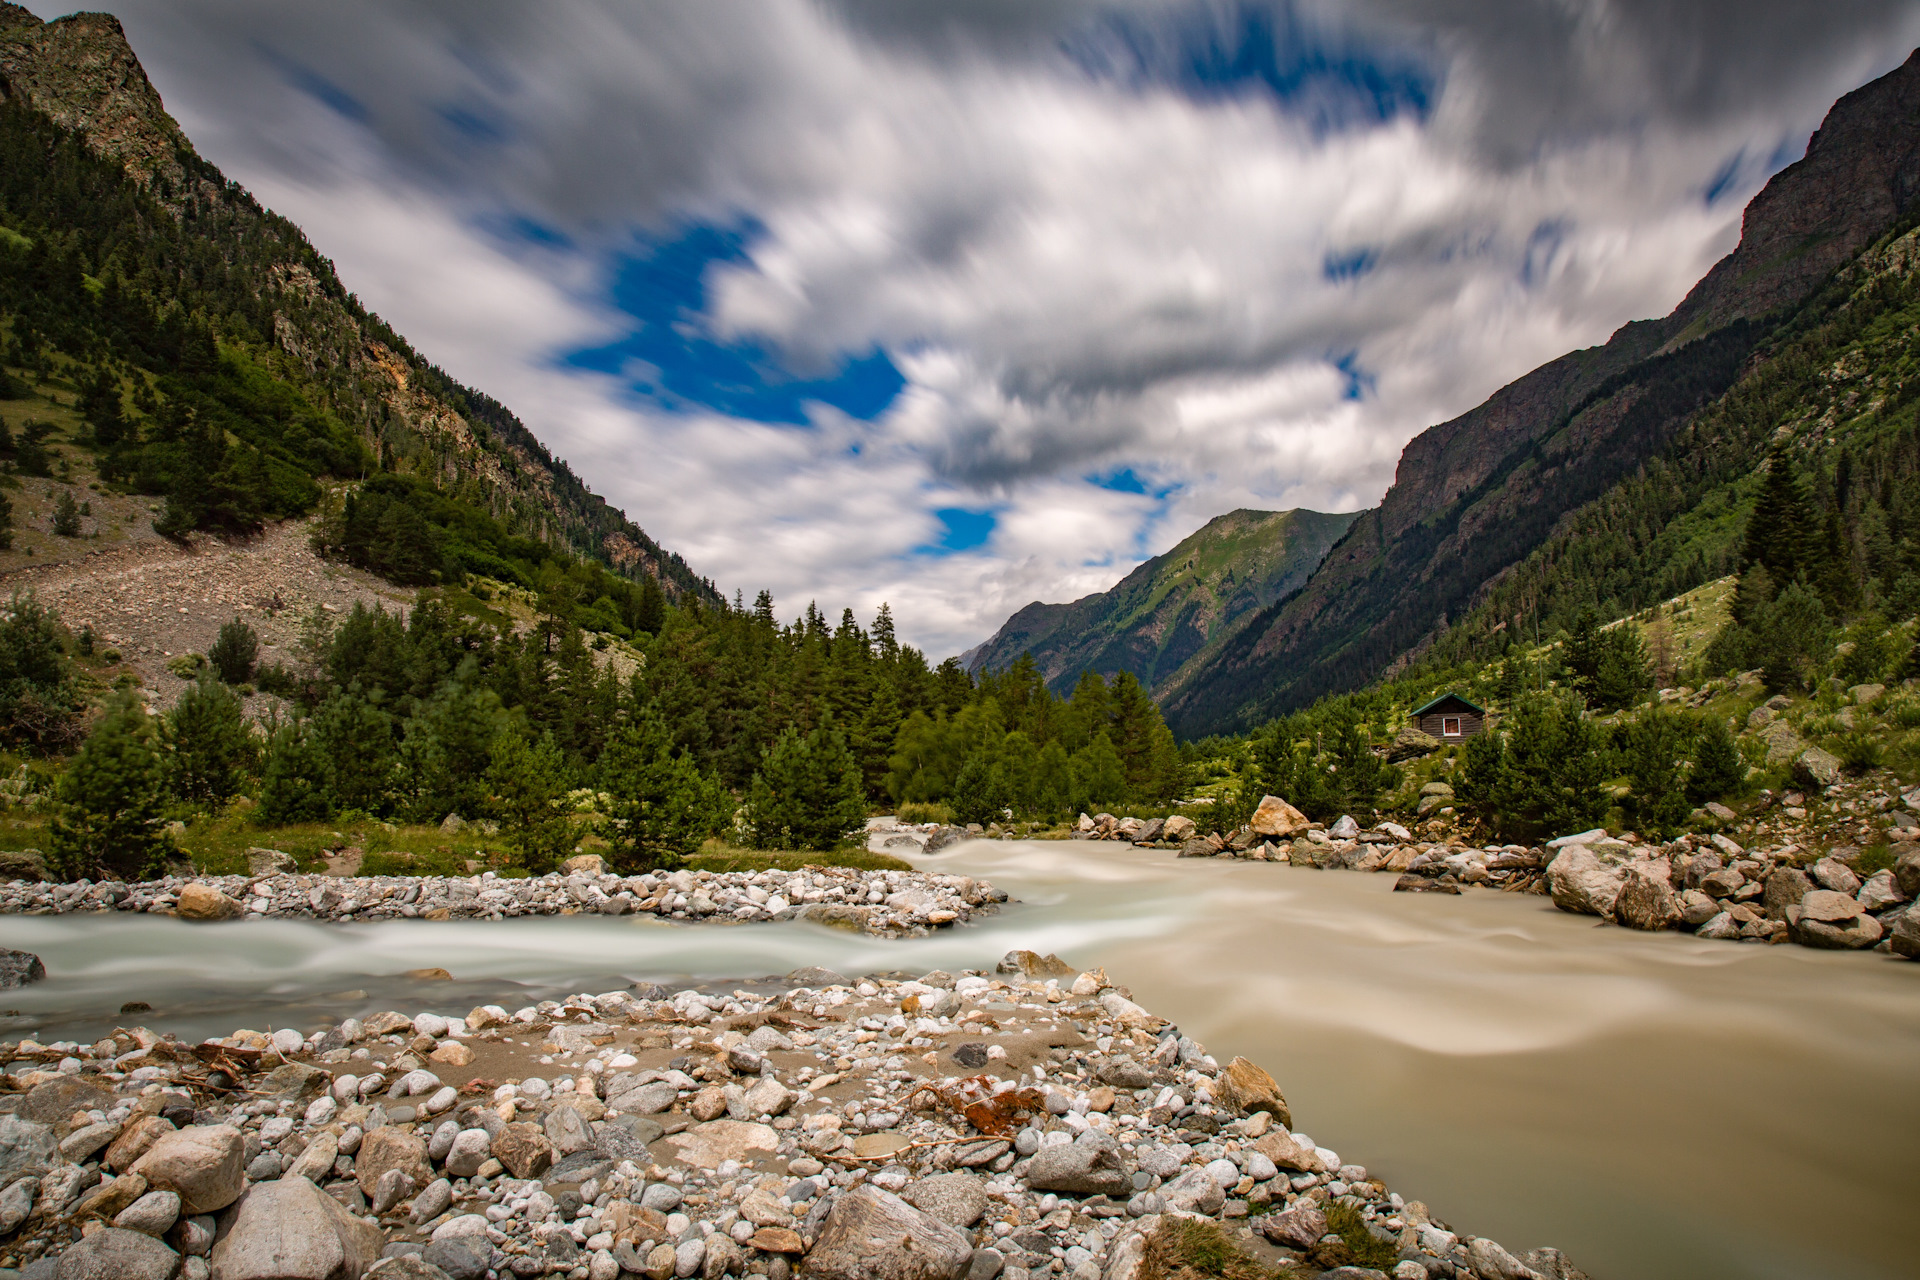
{"points": [[1017, 1123], [1821, 894], [886, 903]]}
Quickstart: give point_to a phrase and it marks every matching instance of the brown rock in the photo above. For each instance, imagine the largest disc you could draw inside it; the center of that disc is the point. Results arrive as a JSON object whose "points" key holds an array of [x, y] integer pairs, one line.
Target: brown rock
{"points": [[777, 1240], [874, 1235], [453, 1053], [1279, 1146], [430, 975], [390, 1147], [204, 902], [1829, 907], [1275, 817], [1645, 902], [109, 1198], [205, 1164], [708, 1104], [524, 1149], [289, 1229], [1246, 1087], [55, 1101], [134, 1140], [1785, 888], [1298, 1228], [1031, 964]]}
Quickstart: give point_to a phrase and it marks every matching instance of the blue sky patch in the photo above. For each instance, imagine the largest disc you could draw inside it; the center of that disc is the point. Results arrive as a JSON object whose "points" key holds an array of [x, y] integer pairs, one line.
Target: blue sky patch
{"points": [[316, 86], [962, 530], [1348, 265], [1360, 383], [1329, 77], [671, 357]]}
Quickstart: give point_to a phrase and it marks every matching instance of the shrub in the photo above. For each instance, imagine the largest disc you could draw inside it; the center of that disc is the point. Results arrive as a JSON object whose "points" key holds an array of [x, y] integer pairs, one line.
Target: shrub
{"points": [[1861, 752], [920, 811], [109, 820], [39, 703], [235, 653]]}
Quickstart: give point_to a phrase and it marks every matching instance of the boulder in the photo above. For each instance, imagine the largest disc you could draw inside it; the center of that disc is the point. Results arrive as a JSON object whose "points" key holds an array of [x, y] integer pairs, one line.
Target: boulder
{"points": [[1275, 817], [1816, 767], [1179, 829], [1645, 902], [955, 1198], [874, 1235], [1298, 1228], [54, 1101], [18, 968], [523, 1148], [1581, 883], [152, 1214], [1031, 964], [566, 1131], [1906, 869], [1492, 1262], [1834, 922], [135, 1140], [1244, 1086], [405, 1266], [1785, 888], [1195, 1191], [268, 862], [1410, 743], [1092, 1164], [1905, 933], [1696, 908], [1836, 875], [1879, 892], [114, 1254], [584, 864], [204, 902], [1286, 1152], [944, 838], [292, 1230], [26, 1149], [389, 1147], [707, 1145], [206, 1164]]}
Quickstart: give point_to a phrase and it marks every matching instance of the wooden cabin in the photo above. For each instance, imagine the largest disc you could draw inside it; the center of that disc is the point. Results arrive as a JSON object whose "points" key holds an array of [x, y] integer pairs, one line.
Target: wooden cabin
{"points": [[1450, 718]]}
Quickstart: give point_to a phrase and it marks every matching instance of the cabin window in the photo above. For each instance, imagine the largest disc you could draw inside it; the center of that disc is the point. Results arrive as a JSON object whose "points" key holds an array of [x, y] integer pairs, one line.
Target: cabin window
{"points": [[1450, 726]]}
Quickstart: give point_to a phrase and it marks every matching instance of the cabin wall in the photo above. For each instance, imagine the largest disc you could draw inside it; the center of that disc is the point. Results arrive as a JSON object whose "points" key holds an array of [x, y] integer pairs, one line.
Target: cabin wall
{"points": [[1471, 723]]}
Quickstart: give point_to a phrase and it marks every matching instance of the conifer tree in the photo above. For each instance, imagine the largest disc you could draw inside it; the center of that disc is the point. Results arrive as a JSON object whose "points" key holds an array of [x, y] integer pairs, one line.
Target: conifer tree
{"points": [[806, 794], [355, 732], [296, 776], [1652, 749], [211, 747], [39, 701], [528, 785], [109, 823], [660, 807], [1780, 532], [980, 793], [1099, 779], [1717, 769], [235, 652]]}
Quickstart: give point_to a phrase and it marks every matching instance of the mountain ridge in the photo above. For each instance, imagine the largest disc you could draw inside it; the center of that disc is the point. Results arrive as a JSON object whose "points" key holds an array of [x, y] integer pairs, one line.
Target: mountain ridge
{"points": [[1474, 495], [1168, 610], [82, 74]]}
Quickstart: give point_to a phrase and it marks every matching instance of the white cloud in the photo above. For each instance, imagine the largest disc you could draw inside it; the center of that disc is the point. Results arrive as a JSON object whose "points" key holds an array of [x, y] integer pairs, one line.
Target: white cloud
{"points": [[1074, 273]]}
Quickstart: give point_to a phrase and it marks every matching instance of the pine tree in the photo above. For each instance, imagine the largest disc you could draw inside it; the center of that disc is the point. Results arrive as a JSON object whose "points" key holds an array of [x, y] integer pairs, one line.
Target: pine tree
{"points": [[980, 793], [660, 807], [445, 748], [1718, 769], [1651, 749], [39, 701], [235, 652], [1780, 532], [528, 782], [1098, 776], [806, 794], [66, 515], [356, 734], [211, 746], [109, 822], [296, 777]]}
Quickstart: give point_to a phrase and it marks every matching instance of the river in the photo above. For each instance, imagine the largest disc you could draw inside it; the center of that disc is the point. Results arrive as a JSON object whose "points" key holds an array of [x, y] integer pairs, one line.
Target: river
{"points": [[1655, 1105]]}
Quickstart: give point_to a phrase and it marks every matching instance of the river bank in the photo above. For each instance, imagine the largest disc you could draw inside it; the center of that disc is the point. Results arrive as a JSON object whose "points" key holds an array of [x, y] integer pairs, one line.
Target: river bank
{"points": [[1022, 1121]]}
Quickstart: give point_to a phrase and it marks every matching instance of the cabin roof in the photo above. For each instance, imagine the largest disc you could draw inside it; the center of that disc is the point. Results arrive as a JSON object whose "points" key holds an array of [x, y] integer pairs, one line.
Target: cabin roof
{"points": [[1449, 697]]}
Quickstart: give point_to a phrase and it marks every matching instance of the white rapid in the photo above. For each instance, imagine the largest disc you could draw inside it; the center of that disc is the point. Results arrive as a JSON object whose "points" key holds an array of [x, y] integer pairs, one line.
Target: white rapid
{"points": [[1656, 1105]]}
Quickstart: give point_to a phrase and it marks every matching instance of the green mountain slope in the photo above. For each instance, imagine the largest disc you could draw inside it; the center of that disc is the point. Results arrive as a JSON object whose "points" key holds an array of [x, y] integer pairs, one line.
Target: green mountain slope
{"points": [[1475, 496], [1166, 613], [216, 356]]}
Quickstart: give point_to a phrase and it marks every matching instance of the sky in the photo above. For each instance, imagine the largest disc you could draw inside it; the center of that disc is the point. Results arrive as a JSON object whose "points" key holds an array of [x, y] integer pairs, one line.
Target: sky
{"points": [[960, 306]]}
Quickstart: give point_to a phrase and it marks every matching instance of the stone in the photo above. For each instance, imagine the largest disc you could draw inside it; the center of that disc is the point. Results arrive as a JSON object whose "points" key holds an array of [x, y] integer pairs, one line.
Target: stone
{"points": [[1906, 869], [1785, 888], [204, 1163], [777, 1240], [1246, 1087], [81, 1145], [292, 1230], [1583, 884], [1904, 935], [584, 864], [1722, 882], [1851, 934], [269, 862], [1092, 1164], [388, 1148], [1178, 828], [394, 1186], [110, 1197], [1126, 1073], [1696, 908], [1880, 892], [874, 1235], [453, 1054], [1195, 1191], [153, 1213], [1833, 874], [566, 1131], [204, 902], [1827, 906], [18, 968], [523, 1149], [1031, 964], [432, 1201], [706, 1145], [16, 1204], [55, 1101], [955, 1198], [114, 1254], [1280, 1147], [315, 1162], [1275, 817], [646, 1100], [1411, 743], [1298, 1228], [1411, 883], [768, 1097], [1645, 902], [1722, 927], [405, 1266], [1817, 767], [1491, 1262], [471, 1148], [460, 1257]]}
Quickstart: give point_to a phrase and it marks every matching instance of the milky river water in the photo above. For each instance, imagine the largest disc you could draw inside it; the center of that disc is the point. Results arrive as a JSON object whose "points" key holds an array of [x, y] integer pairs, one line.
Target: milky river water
{"points": [[1655, 1105]]}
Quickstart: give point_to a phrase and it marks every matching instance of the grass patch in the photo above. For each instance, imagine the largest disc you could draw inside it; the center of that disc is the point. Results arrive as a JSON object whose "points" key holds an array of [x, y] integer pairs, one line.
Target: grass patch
{"points": [[1194, 1249], [218, 845], [918, 811], [1358, 1247], [716, 856], [1872, 861]]}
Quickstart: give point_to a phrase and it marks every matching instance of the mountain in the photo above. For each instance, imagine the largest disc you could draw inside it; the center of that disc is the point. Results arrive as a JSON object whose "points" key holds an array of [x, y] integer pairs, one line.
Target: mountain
{"points": [[1164, 615], [1474, 496], [138, 271]]}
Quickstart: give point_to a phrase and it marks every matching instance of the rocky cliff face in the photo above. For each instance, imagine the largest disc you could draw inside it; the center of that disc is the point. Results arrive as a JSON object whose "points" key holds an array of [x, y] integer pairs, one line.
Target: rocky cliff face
{"points": [[1474, 495], [81, 73], [1166, 613]]}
